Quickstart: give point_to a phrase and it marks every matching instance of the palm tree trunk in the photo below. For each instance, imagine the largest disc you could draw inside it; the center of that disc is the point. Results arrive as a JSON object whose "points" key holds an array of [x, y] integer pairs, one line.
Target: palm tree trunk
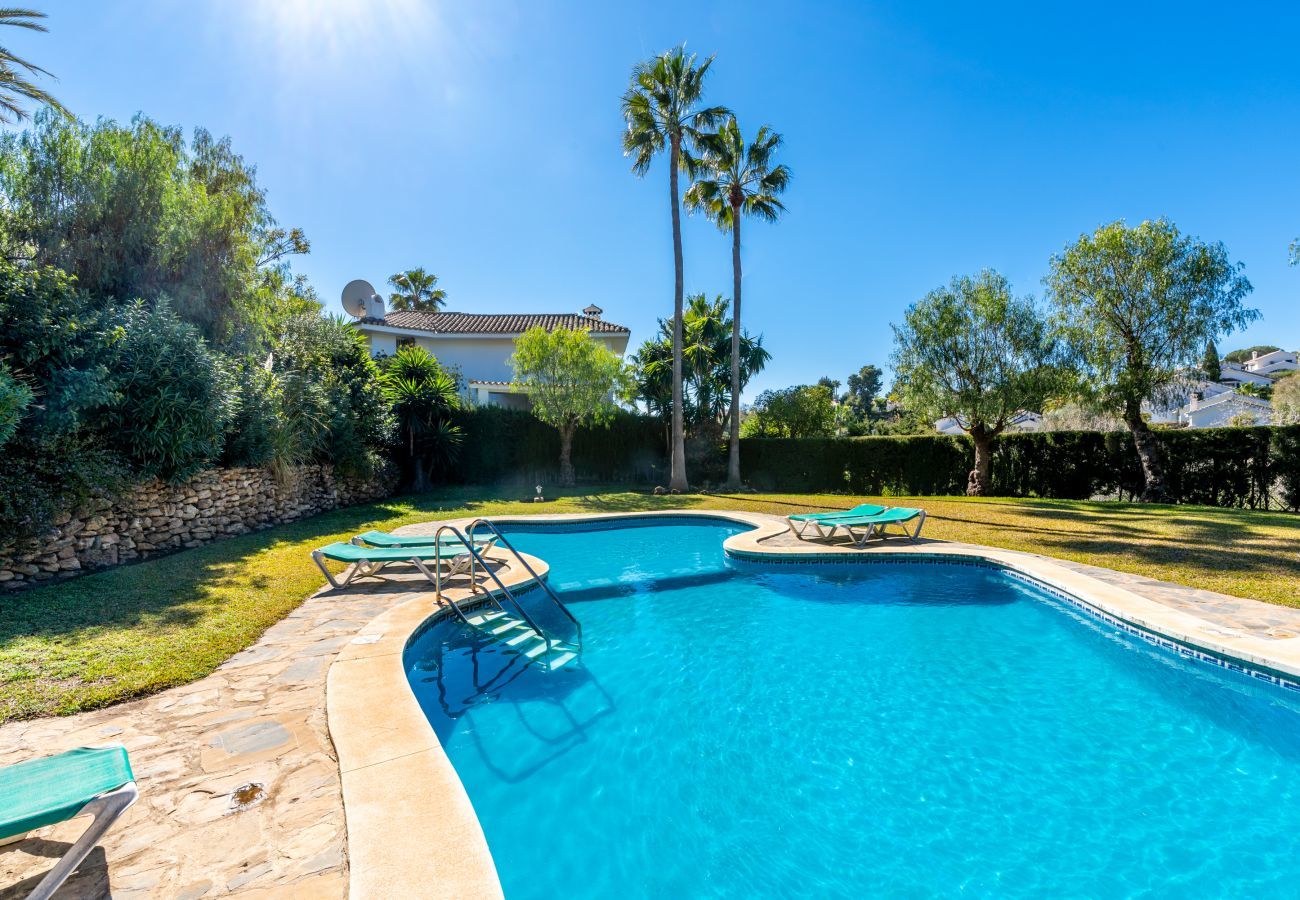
{"points": [[733, 448], [677, 477]]}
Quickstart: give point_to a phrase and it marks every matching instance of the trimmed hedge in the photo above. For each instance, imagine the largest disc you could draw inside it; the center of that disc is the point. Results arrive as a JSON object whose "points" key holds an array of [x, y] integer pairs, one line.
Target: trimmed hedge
{"points": [[512, 446], [1257, 468]]}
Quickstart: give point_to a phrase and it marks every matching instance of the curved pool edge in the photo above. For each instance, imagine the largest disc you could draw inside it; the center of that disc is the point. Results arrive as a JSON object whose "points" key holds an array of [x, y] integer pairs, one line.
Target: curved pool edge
{"points": [[410, 823]]}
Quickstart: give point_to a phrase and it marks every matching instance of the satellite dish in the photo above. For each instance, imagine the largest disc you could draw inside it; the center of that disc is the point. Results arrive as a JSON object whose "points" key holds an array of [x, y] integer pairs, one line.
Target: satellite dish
{"points": [[357, 296]]}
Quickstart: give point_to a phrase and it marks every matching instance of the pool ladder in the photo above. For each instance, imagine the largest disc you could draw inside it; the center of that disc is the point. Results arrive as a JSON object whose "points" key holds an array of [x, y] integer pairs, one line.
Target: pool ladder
{"points": [[515, 628]]}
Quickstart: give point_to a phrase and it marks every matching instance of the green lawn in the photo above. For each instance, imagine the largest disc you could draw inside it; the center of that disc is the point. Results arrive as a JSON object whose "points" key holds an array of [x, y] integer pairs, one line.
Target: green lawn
{"points": [[137, 629]]}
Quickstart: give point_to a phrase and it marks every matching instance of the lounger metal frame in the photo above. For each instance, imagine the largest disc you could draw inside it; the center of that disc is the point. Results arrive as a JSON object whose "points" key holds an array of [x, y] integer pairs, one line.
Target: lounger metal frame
{"points": [[878, 529], [365, 568], [797, 528], [106, 808]]}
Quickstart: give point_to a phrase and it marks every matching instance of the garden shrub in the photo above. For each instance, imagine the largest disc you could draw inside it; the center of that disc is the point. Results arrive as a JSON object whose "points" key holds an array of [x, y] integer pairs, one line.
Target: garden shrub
{"points": [[333, 400], [15, 398], [250, 436], [56, 349], [175, 394]]}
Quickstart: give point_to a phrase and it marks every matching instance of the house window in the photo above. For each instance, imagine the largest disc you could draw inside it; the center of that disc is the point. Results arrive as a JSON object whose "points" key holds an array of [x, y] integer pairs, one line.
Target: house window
{"points": [[405, 342]]}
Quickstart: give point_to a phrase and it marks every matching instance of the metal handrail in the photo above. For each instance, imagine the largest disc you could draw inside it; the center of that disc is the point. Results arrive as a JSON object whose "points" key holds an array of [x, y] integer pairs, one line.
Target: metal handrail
{"points": [[523, 562], [473, 556]]}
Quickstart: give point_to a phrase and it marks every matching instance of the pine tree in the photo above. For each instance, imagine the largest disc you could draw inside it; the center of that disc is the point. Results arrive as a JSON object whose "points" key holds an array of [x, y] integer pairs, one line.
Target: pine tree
{"points": [[1210, 363]]}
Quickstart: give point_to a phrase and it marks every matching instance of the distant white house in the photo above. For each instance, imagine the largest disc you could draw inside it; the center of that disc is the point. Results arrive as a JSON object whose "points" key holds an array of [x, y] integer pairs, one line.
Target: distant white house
{"points": [[1223, 409], [1214, 404], [478, 346], [1270, 363], [1023, 421], [1172, 408], [1235, 376]]}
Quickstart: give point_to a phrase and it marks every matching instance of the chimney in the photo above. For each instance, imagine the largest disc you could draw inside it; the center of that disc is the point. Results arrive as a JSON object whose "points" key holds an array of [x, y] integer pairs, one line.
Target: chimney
{"points": [[593, 311]]}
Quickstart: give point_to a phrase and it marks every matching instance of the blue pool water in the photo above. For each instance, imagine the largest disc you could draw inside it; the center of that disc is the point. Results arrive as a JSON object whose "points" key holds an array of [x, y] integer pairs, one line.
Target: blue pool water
{"points": [[740, 729]]}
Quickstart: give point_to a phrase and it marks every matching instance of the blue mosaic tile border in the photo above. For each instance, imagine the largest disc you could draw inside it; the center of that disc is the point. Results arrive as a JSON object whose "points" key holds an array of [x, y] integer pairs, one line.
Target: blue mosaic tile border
{"points": [[1187, 651]]}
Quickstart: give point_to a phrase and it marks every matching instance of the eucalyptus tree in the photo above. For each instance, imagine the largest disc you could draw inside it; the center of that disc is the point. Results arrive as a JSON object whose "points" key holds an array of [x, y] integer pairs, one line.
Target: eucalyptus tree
{"points": [[973, 351], [737, 180], [663, 112], [1134, 307], [17, 74], [416, 290]]}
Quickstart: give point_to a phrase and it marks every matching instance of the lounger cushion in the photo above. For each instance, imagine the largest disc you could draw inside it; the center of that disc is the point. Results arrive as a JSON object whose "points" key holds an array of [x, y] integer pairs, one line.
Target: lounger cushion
{"points": [[893, 514], [350, 553], [41, 792], [862, 509], [384, 539]]}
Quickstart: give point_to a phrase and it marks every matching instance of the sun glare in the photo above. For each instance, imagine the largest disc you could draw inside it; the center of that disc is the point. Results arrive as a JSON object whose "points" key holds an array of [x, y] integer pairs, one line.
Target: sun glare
{"points": [[312, 32]]}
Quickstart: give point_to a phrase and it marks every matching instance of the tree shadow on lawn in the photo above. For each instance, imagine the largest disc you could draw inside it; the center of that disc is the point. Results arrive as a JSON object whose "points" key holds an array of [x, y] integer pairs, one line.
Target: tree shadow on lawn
{"points": [[1253, 559], [182, 588]]}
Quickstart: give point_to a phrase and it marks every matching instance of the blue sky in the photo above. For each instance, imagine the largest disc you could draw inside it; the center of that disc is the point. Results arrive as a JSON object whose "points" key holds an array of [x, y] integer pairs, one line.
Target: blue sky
{"points": [[481, 140]]}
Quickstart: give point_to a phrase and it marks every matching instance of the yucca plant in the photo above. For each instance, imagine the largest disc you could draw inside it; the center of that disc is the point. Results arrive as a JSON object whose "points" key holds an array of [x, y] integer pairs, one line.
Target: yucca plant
{"points": [[423, 396]]}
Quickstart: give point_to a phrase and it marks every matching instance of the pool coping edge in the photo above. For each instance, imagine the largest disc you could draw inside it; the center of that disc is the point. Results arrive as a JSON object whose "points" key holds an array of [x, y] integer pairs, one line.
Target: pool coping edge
{"points": [[404, 801]]}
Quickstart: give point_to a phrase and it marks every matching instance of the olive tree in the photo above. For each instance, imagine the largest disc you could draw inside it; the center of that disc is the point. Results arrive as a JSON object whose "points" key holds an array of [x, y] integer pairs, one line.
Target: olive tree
{"points": [[570, 379], [1133, 309], [974, 352], [1286, 401]]}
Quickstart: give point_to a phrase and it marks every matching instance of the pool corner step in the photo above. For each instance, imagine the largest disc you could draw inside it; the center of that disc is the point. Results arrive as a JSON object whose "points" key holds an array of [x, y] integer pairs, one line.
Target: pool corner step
{"points": [[518, 636]]}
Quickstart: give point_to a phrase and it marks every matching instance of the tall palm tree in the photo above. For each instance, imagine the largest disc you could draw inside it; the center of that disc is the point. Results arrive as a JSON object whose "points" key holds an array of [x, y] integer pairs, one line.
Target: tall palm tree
{"points": [[661, 109], [416, 290], [16, 72], [737, 180]]}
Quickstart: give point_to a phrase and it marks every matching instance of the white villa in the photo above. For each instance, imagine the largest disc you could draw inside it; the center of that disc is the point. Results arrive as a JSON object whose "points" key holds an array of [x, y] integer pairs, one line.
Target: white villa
{"points": [[1259, 368], [479, 345], [1210, 404], [1215, 404]]}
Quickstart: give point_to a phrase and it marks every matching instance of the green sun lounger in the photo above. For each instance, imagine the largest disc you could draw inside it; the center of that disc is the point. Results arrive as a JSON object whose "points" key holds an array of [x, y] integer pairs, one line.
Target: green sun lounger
{"points": [[367, 562], [90, 781], [875, 525], [801, 522], [384, 539]]}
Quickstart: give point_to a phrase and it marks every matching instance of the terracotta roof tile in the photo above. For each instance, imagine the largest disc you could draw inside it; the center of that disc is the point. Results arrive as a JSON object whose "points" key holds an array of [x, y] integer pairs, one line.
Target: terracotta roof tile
{"points": [[493, 323]]}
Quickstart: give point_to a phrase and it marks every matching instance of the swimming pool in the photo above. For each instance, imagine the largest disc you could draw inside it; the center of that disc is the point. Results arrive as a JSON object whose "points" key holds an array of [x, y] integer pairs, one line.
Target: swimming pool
{"points": [[838, 730]]}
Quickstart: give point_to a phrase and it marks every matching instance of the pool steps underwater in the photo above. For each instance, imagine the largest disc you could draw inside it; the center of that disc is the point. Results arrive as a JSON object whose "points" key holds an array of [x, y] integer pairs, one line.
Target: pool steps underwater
{"points": [[525, 635], [520, 637]]}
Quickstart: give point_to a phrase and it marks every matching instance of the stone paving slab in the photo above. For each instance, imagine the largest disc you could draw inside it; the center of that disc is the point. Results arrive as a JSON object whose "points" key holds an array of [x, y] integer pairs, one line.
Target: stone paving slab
{"points": [[259, 719], [200, 830]]}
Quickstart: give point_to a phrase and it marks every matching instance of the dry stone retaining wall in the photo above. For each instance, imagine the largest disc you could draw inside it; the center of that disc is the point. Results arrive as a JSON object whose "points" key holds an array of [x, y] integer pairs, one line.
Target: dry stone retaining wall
{"points": [[157, 517]]}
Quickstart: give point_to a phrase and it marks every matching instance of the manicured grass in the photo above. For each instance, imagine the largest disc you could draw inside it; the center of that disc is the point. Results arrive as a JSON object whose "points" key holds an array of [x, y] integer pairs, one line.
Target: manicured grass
{"points": [[137, 629]]}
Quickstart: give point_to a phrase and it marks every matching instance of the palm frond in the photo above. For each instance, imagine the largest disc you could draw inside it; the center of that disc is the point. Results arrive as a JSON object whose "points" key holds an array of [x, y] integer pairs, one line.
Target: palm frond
{"points": [[21, 18], [14, 84]]}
